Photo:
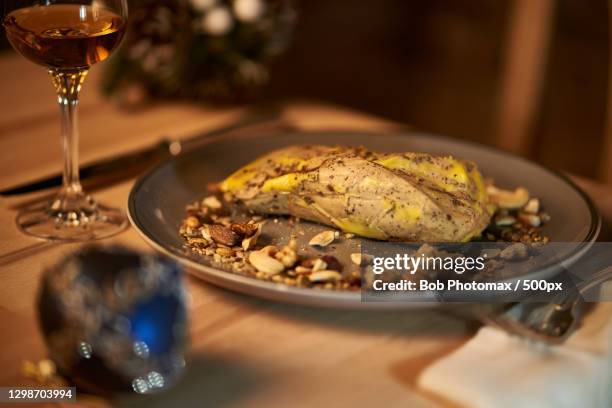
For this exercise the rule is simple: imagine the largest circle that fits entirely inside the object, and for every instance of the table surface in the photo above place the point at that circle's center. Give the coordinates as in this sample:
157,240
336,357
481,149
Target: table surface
245,351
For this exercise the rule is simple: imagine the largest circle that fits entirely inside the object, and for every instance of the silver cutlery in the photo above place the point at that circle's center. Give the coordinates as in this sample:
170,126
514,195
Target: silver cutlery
113,170
546,322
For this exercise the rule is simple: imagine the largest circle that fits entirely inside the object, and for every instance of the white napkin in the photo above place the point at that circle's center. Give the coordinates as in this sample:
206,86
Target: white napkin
495,369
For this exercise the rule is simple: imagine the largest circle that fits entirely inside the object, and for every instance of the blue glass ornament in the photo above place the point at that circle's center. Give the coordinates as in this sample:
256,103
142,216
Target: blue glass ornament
115,320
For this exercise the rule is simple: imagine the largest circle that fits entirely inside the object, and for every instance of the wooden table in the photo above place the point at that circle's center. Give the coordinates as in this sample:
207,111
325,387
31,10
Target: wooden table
245,351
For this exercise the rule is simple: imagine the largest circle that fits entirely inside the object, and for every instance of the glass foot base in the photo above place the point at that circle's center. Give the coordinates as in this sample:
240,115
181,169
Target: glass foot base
71,218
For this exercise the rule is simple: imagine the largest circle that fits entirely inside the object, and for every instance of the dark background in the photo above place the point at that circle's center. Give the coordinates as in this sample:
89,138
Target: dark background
437,66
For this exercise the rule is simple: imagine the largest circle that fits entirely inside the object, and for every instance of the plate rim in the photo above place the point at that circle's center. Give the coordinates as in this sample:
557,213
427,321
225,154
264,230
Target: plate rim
343,300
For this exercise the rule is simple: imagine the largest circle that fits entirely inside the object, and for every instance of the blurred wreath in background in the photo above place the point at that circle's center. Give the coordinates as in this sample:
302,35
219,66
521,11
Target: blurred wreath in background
213,50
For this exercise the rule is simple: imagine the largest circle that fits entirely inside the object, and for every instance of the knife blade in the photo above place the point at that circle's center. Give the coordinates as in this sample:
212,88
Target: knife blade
115,169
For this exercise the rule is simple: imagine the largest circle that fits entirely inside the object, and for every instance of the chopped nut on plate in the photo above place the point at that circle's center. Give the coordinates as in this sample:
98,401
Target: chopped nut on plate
212,202
323,239
251,241
270,250
223,235
225,252
287,256
192,222
235,241
319,265
324,276
245,229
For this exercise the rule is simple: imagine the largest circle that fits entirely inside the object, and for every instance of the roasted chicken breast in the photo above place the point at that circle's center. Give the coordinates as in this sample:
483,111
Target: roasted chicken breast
398,196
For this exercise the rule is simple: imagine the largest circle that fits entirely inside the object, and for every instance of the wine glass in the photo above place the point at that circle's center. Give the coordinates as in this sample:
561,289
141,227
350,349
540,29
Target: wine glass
67,37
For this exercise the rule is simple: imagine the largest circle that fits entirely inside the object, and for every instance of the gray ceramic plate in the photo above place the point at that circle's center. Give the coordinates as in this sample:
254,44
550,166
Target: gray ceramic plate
157,201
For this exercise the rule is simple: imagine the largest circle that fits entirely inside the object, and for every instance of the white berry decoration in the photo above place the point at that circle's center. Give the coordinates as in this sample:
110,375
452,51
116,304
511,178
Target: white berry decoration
248,11
217,21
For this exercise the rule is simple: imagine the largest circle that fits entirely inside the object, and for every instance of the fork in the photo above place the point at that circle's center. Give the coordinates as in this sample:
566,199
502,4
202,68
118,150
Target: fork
545,322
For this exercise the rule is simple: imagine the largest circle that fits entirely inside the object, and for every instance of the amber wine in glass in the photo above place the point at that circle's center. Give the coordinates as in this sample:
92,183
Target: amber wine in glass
67,37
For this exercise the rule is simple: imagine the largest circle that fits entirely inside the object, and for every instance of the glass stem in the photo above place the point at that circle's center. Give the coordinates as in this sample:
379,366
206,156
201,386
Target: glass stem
67,85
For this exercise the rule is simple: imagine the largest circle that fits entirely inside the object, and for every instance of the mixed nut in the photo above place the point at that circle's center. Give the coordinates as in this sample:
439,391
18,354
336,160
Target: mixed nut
518,217
210,230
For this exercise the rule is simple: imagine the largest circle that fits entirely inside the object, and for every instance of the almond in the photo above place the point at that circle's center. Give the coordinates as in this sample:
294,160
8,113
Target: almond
245,230
223,235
